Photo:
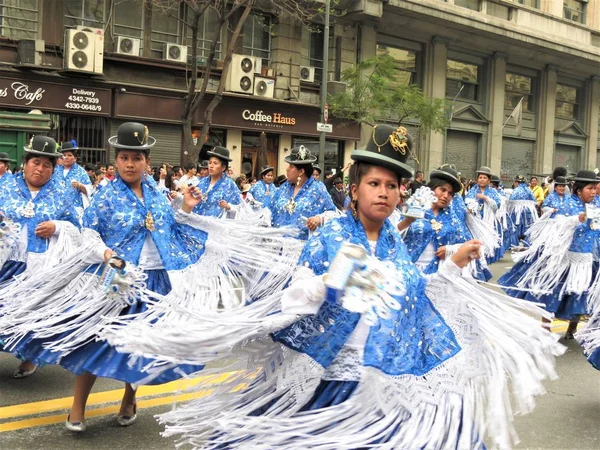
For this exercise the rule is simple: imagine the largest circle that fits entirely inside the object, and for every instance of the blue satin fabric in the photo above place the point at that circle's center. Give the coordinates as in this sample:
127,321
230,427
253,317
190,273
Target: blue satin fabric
223,189
75,173
594,358
421,233
101,359
567,306
413,341
263,192
50,203
521,224
312,199
488,192
119,216
11,269
555,201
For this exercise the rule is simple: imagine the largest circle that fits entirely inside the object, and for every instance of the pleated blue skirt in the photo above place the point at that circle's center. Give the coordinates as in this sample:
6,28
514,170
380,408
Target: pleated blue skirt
100,358
594,359
9,270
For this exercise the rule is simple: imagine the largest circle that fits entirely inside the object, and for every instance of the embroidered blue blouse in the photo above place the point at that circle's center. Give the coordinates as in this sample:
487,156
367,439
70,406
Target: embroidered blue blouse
522,192
421,232
223,189
75,173
413,341
263,192
50,203
6,178
312,199
489,192
119,216
584,239
555,201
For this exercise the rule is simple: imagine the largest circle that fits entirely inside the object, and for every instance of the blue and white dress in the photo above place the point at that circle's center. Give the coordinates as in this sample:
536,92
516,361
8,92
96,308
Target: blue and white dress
417,376
223,189
143,232
522,212
6,178
561,261
554,201
263,192
75,196
312,199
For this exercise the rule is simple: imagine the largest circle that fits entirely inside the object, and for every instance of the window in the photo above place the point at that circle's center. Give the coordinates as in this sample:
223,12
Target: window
165,30
209,27
128,19
315,49
88,13
89,132
19,18
462,80
257,39
574,10
406,63
531,3
567,101
334,151
469,4
517,87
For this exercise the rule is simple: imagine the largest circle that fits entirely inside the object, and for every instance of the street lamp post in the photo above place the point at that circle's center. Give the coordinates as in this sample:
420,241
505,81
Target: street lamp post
324,87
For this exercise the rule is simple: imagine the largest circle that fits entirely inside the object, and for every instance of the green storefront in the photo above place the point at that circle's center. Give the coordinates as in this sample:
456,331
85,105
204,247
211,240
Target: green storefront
16,129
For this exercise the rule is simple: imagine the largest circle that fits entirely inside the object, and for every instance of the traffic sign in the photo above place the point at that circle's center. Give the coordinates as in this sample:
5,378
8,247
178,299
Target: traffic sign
326,127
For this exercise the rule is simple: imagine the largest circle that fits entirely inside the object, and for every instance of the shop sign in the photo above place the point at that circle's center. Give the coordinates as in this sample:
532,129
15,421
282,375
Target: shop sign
271,120
55,97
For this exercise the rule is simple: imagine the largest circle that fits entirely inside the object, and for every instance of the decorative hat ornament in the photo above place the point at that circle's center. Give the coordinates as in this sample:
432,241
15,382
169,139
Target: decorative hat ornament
132,136
300,156
42,146
220,152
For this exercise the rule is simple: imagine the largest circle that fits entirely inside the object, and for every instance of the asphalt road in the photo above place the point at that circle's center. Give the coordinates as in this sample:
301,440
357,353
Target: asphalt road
33,410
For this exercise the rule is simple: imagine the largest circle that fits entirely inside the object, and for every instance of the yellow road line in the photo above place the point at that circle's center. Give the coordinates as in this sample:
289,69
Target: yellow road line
98,398
60,418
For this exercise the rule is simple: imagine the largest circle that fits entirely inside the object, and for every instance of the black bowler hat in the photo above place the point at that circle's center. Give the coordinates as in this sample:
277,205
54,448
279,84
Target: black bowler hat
337,180
389,147
586,176
265,170
68,147
485,170
203,164
42,146
495,179
448,174
4,157
318,169
560,181
520,179
132,136
300,156
220,152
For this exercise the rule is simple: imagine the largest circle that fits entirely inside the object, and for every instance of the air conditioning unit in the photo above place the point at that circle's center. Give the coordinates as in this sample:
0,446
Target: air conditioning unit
84,51
128,46
30,51
336,87
264,86
241,73
97,31
307,74
174,52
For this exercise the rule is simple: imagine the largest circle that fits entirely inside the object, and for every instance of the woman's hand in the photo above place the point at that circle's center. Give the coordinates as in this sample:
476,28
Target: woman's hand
224,204
45,230
482,197
313,223
582,217
441,252
108,253
467,252
405,223
191,197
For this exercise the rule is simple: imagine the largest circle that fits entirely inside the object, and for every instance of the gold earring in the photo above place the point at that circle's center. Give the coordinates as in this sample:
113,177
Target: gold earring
353,208
298,181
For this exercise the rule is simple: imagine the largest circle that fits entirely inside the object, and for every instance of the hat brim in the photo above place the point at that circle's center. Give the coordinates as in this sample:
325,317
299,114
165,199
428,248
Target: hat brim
585,180
401,169
38,153
485,173
72,150
303,162
267,170
112,141
218,155
440,174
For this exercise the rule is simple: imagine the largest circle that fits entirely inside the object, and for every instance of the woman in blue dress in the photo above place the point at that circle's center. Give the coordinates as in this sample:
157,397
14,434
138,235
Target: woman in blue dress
73,178
395,373
264,190
522,210
437,236
556,198
218,193
301,200
558,269
39,204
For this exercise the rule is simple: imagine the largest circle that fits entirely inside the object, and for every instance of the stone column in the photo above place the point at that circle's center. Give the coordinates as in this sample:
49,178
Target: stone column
591,123
544,151
496,102
434,151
